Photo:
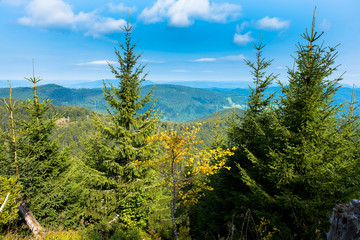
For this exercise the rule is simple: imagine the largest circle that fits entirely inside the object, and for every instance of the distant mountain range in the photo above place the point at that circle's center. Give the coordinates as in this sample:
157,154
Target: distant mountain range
177,103
99,84
67,83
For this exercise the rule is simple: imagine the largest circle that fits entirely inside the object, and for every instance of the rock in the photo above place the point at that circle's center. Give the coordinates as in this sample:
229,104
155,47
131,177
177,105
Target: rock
345,222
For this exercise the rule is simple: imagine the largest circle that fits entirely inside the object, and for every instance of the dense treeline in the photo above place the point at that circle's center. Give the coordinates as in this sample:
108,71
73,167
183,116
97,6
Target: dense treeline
276,172
74,123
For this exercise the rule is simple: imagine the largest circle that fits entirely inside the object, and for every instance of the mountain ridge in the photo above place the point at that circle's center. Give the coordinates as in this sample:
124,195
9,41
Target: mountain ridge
178,103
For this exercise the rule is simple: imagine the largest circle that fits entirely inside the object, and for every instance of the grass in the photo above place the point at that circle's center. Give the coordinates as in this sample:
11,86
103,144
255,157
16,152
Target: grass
52,235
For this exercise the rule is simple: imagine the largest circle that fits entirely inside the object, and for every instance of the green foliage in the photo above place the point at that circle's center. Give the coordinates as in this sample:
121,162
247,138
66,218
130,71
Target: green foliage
301,158
117,143
92,196
43,164
35,161
9,211
246,133
129,128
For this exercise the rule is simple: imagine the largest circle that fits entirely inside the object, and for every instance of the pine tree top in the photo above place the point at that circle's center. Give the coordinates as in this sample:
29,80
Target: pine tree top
125,100
308,97
132,115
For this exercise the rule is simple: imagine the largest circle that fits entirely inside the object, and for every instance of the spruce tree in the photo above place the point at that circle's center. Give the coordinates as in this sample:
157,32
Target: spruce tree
309,163
42,164
132,120
246,133
129,126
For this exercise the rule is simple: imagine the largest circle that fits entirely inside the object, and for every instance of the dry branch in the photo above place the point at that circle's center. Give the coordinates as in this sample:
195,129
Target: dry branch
3,205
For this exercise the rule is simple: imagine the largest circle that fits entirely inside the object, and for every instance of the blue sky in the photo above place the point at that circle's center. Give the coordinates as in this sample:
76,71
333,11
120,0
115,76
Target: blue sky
181,40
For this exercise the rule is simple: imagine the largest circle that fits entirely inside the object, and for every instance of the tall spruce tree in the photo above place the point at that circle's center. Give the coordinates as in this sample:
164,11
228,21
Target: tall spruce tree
129,126
42,164
132,120
246,133
309,164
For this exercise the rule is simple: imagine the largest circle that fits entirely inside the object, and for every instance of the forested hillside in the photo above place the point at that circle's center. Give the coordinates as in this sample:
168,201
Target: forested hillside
178,103
271,170
74,123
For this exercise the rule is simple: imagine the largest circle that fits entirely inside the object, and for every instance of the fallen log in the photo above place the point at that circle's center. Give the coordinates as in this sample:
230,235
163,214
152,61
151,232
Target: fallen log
345,222
34,225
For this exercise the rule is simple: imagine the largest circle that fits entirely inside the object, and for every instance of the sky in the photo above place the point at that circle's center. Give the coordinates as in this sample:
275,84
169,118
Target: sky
180,40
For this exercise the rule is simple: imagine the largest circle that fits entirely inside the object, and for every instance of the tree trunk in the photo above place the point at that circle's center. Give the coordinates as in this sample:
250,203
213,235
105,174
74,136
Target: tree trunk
172,208
345,222
34,226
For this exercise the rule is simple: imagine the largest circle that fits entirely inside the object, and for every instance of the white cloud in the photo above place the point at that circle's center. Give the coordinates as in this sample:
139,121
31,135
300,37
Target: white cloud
242,39
157,12
182,13
52,13
224,12
121,7
325,25
204,60
274,23
232,58
97,62
226,58
150,61
240,28
103,25
59,14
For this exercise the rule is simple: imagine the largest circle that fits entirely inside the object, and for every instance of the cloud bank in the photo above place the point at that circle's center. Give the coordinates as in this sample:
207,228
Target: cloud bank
183,13
231,58
266,23
243,39
59,14
121,7
97,62
274,23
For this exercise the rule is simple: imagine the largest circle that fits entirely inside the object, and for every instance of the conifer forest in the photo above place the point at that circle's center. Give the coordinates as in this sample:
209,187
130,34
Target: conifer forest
272,171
